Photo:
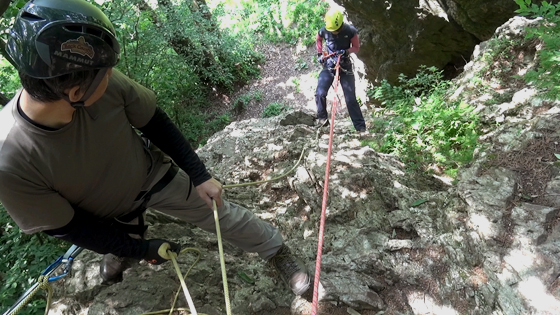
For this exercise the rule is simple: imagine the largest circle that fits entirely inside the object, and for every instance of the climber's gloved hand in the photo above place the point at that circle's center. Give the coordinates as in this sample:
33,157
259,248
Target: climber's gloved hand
320,58
342,52
156,252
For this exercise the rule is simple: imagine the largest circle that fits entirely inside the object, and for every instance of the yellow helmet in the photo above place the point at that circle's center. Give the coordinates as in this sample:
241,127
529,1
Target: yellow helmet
333,20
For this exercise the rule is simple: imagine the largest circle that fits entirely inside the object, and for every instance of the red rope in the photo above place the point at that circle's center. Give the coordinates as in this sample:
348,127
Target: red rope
325,198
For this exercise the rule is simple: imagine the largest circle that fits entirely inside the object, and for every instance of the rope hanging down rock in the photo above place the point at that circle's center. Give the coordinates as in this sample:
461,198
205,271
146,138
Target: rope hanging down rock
325,198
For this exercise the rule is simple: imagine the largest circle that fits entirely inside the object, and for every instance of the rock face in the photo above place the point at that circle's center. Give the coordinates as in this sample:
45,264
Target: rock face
479,17
399,36
395,242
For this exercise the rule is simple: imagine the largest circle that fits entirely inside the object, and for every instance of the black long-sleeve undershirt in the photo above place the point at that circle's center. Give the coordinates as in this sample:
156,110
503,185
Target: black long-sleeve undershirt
166,136
89,232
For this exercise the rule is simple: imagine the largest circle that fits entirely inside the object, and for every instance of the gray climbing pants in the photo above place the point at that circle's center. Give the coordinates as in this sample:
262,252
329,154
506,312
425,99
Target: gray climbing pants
238,225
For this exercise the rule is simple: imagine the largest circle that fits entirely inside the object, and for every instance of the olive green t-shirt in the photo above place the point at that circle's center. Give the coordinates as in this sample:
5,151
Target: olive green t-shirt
96,163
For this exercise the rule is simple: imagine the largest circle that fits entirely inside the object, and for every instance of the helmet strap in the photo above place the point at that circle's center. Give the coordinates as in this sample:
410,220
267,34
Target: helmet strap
92,87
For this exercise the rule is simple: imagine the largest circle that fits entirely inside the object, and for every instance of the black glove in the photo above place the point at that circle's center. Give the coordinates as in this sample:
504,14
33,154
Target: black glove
156,253
320,58
342,52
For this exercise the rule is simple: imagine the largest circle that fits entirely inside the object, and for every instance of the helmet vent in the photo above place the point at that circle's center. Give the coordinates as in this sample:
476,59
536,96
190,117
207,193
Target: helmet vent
108,40
83,29
31,17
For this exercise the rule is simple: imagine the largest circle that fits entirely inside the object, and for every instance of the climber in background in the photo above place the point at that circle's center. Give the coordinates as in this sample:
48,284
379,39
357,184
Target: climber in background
341,39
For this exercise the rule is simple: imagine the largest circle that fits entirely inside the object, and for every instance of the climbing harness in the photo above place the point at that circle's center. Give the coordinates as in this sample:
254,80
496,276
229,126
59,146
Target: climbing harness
336,68
145,196
47,276
325,198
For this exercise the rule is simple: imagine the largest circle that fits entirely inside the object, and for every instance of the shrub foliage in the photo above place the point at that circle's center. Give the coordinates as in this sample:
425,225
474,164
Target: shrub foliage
421,125
547,75
23,258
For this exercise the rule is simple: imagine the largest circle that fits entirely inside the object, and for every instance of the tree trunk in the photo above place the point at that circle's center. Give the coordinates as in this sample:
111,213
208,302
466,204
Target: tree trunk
183,45
202,7
3,99
4,4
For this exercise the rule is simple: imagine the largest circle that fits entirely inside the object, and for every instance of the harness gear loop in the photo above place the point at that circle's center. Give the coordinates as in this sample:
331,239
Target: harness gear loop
340,68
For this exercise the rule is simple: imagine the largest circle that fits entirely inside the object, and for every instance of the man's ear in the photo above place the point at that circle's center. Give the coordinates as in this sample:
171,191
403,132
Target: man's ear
74,94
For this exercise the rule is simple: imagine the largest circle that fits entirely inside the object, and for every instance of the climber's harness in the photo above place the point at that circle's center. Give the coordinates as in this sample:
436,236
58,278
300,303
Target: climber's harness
347,61
350,72
145,196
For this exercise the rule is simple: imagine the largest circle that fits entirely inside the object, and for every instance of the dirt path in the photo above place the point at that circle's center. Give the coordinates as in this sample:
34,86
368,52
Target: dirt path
289,77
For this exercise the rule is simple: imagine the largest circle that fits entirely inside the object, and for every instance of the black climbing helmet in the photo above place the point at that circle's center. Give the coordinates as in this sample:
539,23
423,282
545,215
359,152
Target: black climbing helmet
51,38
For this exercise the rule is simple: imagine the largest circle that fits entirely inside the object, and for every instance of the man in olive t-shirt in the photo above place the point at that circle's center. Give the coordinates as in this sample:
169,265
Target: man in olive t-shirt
72,165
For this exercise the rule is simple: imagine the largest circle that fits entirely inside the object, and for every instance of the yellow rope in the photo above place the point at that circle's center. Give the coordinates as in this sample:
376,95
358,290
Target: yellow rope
186,275
222,260
173,257
170,311
220,249
272,179
42,283
183,284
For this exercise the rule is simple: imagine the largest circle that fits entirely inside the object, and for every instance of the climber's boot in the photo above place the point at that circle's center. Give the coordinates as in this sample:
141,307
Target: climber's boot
112,267
292,270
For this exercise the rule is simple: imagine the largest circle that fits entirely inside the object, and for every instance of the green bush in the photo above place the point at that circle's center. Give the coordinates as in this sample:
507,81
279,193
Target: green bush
9,79
24,257
547,75
301,65
241,102
421,125
182,57
274,109
221,122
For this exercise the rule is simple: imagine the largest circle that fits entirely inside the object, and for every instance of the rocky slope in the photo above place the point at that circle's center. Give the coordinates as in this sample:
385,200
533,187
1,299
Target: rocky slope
396,242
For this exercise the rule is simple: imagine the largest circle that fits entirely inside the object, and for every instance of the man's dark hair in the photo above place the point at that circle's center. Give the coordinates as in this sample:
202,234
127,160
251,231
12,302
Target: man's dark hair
53,90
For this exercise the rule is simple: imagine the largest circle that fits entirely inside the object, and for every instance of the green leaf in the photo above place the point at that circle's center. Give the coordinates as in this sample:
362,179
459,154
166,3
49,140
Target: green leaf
245,277
557,155
418,202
